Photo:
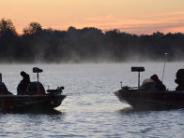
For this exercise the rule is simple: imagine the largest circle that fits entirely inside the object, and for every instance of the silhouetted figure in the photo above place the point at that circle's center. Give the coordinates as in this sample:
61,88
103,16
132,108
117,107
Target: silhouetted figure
148,84
158,83
3,88
180,80
23,85
153,84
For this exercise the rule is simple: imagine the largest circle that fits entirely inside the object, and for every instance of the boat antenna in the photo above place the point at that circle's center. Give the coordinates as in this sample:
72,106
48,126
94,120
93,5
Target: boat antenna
165,60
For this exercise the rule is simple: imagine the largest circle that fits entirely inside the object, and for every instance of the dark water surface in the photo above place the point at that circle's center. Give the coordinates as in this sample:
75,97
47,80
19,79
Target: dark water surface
91,109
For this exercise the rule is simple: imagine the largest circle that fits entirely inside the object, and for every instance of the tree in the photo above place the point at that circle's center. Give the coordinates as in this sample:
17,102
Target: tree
7,28
33,28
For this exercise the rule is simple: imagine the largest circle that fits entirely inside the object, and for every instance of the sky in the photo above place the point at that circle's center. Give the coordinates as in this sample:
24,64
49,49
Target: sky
132,16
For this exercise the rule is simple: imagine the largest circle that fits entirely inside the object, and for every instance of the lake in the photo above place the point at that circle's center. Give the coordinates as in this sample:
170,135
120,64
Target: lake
91,108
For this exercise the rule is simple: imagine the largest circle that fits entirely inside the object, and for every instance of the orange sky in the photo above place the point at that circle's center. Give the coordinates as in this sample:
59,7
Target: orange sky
133,16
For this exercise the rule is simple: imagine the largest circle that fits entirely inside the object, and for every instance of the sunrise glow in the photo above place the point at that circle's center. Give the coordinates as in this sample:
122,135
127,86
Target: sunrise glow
140,17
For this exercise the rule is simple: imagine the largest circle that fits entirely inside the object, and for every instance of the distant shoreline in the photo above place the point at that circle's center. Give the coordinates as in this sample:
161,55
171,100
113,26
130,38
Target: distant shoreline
92,62
85,45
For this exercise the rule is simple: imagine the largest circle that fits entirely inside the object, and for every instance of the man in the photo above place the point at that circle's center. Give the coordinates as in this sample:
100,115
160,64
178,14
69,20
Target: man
3,88
158,83
22,86
152,84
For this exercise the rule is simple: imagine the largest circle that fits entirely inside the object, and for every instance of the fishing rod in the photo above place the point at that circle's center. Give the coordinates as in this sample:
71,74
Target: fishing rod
165,60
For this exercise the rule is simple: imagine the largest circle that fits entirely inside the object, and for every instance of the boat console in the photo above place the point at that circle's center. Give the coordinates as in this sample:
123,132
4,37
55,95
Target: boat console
139,70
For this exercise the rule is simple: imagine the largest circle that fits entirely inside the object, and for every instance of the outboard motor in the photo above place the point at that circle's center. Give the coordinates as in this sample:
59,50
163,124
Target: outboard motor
36,88
180,80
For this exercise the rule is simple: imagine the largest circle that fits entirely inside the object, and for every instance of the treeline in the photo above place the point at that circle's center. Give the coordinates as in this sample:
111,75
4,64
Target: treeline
82,45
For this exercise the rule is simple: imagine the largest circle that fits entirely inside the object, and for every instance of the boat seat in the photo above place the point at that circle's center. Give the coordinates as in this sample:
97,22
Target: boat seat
36,88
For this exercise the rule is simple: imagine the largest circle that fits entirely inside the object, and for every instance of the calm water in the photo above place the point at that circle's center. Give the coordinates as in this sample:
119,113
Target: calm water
91,109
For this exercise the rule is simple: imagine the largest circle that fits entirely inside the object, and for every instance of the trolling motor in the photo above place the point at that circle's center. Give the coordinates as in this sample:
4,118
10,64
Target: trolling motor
56,91
37,71
139,70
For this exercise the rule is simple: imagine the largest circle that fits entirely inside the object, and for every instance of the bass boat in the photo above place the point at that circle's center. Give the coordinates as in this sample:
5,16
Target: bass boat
37,98
150,99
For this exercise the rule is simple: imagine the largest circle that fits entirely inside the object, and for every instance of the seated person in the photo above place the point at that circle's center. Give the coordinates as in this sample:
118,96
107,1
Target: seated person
22,86
158,83
180,80
148,84
180,86
152,84
4,90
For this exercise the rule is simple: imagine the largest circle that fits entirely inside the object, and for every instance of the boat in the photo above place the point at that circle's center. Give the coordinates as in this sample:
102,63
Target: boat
152,100
33,101
29,103
140,99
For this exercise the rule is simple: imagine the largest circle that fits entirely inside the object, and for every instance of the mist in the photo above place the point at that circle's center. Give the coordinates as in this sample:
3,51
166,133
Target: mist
85,45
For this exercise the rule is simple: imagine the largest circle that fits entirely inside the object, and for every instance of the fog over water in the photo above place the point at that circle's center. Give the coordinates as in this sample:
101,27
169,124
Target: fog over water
91,109
84,45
